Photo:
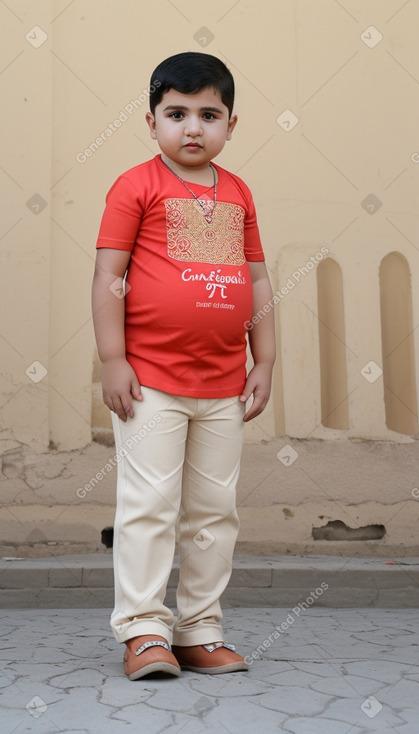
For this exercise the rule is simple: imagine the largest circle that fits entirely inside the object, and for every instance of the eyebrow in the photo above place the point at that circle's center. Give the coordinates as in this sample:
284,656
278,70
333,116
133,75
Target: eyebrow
183,108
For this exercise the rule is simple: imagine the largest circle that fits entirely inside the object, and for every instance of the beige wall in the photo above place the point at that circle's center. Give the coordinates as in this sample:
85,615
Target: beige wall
355,100
356,135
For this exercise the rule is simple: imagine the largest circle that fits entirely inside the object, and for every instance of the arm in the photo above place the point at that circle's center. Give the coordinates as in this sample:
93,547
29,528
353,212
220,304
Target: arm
262,344
119,381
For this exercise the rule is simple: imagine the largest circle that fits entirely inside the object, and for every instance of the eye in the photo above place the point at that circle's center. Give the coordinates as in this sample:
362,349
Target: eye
176,115
208,116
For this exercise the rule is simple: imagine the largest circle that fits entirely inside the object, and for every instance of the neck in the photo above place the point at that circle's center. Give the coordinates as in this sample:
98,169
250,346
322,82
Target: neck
194,174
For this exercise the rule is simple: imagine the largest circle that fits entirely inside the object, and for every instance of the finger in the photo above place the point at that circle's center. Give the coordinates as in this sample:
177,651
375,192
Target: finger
126,403
136,391
249,415
256,408
252,413
119,409
108,402
247,392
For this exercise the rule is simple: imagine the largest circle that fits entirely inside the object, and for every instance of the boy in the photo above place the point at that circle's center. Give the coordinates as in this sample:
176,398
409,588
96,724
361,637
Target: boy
173,354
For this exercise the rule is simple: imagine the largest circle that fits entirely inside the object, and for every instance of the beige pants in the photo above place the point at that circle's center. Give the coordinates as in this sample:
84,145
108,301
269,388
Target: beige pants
177,456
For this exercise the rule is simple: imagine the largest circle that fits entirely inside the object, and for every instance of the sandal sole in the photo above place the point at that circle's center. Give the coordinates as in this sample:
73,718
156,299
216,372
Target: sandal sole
230,668
155,668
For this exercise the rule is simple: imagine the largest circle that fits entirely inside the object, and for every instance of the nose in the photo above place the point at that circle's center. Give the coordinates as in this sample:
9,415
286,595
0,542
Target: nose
193,127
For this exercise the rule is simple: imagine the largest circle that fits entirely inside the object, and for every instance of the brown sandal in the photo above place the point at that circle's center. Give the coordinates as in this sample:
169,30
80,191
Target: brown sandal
211,659
146,659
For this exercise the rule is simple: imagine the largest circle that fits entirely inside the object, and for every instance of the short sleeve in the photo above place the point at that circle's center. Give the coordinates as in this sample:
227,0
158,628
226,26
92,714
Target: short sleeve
121,218
253,249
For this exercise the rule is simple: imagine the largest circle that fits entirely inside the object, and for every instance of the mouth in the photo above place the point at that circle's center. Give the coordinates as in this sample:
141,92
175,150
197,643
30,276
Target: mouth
193,145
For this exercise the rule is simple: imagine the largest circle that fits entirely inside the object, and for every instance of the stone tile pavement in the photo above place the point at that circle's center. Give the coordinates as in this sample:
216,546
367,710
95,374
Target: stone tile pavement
312,671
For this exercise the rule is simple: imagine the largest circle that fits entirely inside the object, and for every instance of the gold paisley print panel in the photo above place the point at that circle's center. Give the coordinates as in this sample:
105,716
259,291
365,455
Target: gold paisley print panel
190,238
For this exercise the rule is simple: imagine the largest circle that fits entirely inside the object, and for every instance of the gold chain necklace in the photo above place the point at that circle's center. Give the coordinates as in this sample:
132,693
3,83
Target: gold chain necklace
208,207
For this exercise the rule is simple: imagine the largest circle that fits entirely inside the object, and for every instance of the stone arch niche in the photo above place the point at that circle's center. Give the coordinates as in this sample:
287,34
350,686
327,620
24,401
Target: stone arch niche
398,344
333,374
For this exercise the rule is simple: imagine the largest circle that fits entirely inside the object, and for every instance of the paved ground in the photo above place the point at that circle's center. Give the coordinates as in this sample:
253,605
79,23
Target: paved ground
324,671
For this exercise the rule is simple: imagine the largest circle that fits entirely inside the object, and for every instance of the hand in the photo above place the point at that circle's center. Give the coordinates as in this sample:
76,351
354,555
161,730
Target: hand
120,385
258,384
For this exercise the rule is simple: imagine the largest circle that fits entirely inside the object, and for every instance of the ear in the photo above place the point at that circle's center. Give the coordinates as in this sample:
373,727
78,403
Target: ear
231,125
151,122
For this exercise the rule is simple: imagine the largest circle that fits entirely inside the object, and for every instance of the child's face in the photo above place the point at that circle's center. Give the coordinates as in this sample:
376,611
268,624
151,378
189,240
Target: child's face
191,129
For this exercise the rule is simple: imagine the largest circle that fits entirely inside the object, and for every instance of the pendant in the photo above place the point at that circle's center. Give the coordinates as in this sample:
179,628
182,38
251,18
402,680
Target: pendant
207,207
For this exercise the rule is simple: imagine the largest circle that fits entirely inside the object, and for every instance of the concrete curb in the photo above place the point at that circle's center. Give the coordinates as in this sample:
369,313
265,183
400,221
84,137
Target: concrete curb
86,581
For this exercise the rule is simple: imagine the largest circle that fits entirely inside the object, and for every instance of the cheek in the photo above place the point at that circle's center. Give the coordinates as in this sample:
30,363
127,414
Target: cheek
169,131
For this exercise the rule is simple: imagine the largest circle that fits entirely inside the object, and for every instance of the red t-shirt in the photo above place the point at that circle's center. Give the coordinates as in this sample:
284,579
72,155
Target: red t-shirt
189,287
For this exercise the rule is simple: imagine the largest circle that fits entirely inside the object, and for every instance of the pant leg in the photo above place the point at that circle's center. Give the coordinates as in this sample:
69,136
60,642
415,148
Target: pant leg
148,501
209,522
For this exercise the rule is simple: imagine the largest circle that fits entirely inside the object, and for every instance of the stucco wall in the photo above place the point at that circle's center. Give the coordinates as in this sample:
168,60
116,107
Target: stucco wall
328,102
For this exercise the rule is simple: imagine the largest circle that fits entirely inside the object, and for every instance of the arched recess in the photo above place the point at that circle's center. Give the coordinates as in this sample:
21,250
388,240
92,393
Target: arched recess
398,345
333,374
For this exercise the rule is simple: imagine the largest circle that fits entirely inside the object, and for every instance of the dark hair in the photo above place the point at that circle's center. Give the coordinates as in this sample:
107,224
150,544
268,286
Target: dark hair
188,73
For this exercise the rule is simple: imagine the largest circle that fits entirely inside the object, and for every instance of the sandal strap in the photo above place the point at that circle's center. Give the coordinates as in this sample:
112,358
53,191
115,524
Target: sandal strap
152,643
216,645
